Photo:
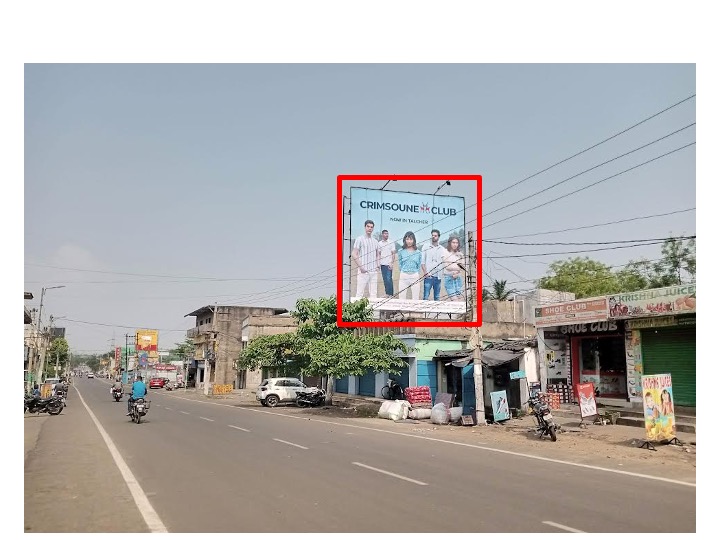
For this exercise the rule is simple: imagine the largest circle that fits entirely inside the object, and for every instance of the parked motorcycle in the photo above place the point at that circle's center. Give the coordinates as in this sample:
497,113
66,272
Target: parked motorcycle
52,405
117,393
392,390
139,409
545,425
312,397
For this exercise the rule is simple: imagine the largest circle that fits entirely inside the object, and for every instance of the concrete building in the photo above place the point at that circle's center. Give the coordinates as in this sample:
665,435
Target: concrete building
254,326
217,337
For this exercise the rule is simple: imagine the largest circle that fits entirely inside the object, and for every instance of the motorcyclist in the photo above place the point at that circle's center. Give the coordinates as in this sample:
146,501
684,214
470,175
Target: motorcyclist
117,385
139,390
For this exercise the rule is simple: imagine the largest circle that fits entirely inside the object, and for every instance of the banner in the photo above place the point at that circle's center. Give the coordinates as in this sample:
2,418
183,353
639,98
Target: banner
658,405
147,341
396,232
577,311
500,408
663,301
586,394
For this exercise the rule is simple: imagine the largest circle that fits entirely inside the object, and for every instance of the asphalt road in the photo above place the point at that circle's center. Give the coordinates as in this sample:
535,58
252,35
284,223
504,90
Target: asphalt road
206,467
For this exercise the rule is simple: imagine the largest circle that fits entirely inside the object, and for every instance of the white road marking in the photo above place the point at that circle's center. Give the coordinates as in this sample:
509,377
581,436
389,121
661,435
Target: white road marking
418,482
563,527
208,419
240,428
183,412
291,444
168,409
148,513
476,446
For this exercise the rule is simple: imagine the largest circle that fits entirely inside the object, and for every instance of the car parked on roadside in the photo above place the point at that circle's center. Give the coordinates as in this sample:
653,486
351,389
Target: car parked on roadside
277,390
157,382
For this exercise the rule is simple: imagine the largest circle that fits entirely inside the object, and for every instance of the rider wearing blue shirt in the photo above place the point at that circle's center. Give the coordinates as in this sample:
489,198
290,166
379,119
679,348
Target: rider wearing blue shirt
139,390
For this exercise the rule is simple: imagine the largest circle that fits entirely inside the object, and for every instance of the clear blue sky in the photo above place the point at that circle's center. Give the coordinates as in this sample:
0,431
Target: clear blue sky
209,181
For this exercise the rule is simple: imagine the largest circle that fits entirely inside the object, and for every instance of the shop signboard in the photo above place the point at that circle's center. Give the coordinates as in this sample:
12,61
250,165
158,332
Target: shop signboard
574,312
664,301
658,407
517,375
500,408
586,393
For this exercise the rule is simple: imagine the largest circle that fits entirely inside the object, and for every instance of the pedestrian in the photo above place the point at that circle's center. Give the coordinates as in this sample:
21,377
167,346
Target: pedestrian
387,261
36,390
410,261
432,265
454,263
366,254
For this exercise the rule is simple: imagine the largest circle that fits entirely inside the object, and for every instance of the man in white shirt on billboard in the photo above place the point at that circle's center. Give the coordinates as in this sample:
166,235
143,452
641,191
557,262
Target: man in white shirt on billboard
387,262
366,254
432,265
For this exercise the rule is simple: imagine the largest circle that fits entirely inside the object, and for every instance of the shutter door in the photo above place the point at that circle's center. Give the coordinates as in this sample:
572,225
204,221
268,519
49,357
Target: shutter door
672,350
367,384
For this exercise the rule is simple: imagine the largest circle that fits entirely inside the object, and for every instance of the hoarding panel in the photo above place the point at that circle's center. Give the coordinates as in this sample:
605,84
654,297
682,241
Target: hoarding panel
576,311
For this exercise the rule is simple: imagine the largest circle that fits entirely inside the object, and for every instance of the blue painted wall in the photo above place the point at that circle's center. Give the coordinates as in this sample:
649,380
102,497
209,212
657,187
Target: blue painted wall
427,375
341,385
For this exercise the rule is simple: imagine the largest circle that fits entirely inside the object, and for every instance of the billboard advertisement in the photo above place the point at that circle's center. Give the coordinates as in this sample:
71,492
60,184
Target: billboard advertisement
658,406
146,341
586,393
672,300
576,311
408,251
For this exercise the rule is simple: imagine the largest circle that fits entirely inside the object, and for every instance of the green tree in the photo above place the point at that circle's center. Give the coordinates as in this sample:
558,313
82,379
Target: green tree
321,347
582,276
500,291
183,350
57,354
486,295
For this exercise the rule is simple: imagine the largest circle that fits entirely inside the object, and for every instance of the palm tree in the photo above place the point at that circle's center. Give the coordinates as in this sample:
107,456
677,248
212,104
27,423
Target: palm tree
486,295
499,290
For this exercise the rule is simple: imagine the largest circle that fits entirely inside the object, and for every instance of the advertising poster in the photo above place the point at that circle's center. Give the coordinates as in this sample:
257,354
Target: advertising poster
664,301
409,233
147,341
633,364
658,406
501,410
577,311
586,393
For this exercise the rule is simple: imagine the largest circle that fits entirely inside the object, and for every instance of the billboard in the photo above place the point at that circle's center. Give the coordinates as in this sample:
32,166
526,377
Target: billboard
576,311
146,341
408,252
672,300
658,406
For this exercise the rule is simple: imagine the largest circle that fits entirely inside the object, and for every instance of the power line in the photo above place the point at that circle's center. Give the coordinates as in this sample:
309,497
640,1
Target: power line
590,185
589,243
588,170
588,148
591,226
572,252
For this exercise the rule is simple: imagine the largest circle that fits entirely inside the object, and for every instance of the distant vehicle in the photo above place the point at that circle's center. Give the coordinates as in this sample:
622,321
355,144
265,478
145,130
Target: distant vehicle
157,382
90,375
279,390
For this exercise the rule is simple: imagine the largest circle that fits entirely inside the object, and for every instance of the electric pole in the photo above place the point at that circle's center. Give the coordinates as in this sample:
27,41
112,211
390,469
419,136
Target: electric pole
475,334
212,351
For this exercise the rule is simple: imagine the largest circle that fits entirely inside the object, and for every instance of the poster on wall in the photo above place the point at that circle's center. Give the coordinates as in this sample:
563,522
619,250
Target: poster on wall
658,407
586,393
500,408
633,365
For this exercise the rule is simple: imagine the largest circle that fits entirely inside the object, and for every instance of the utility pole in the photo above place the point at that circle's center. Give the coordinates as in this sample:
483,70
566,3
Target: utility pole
125,372
212,351
475,334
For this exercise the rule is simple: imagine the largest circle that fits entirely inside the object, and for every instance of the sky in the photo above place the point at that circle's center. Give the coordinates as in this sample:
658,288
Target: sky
154,189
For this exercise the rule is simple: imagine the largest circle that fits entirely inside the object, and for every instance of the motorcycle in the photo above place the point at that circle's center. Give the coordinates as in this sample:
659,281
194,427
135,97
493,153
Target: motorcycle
117,393
312,397
139,409
52,405
392,390
545,425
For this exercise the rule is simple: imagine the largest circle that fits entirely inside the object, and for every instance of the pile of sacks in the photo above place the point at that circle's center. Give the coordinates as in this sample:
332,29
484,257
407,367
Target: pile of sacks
441,414
419,397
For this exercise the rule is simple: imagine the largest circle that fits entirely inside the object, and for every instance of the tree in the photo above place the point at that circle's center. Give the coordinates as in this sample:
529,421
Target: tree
486,295
500,290
321,347
184,350
58,353
582,276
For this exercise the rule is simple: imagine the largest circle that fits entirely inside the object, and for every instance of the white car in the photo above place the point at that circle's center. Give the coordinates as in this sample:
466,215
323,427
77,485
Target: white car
91,375
278,390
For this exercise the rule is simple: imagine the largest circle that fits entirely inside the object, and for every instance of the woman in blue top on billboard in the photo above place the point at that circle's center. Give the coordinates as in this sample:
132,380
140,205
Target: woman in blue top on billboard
409,259
454,264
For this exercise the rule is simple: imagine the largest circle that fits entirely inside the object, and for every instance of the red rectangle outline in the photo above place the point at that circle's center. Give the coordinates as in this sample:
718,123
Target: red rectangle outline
458,324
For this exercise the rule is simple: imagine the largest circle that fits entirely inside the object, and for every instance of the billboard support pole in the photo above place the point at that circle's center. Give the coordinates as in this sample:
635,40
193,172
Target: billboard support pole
476,335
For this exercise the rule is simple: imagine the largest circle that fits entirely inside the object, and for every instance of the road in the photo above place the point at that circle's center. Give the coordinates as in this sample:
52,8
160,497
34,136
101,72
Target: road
204,467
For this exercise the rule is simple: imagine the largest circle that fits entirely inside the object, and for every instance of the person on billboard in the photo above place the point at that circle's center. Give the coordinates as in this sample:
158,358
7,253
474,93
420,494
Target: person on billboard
666,406
651,410
387,261
366,254
432,265
410,260
454,264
